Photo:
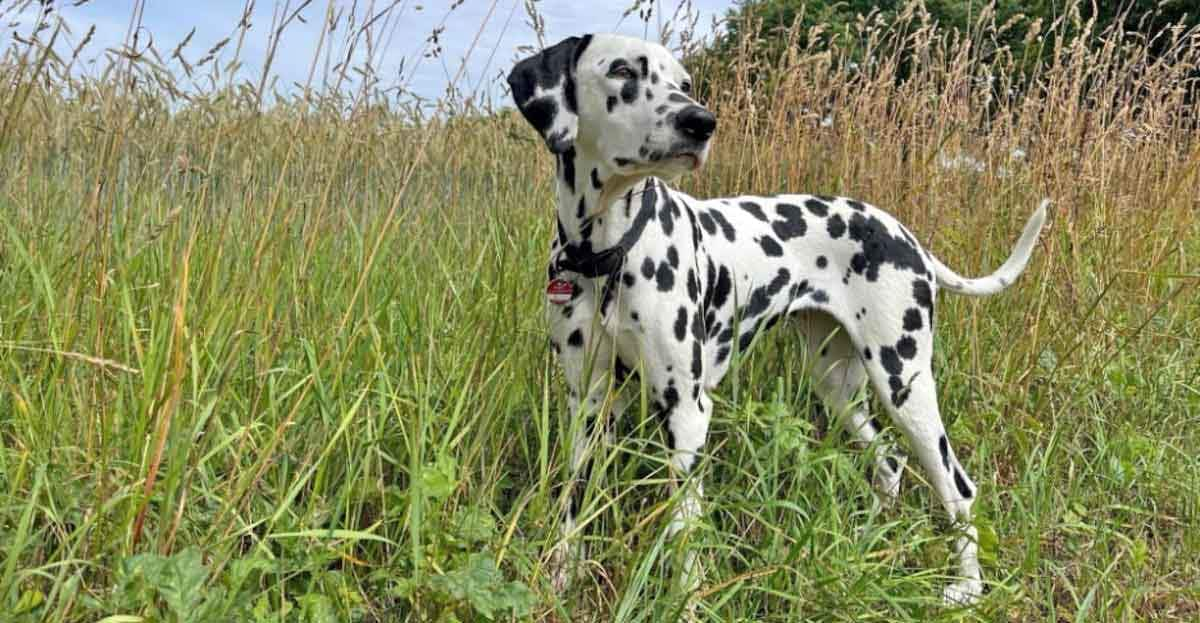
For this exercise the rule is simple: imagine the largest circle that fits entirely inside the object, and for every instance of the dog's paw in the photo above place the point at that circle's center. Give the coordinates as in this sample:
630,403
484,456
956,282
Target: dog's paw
963,593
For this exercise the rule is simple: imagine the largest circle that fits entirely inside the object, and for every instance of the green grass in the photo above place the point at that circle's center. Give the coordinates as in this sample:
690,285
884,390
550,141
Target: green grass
292,367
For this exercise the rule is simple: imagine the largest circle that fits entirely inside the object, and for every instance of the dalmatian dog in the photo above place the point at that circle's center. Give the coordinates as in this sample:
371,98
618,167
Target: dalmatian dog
647,280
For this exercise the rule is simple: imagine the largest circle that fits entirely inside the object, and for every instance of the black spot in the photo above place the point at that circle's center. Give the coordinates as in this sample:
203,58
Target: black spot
836,227
673,256
818,208
609,296
621,371
723,288
907,347
567,161
681,323
754,209
822,262
611,103
890,360
665,214
693,285
634,316
747,338
596,180
722,354
678,98
697,360
567,310
867,353
648,268
820,296
770,247
665,277
645,65
708,223
900,391
628,279
671,396
922,294
912,319
575,339
893,464
582,211
697,326
857,205
880,247
760,298
792,225
726,227
944,448
654,78
649,95
960,482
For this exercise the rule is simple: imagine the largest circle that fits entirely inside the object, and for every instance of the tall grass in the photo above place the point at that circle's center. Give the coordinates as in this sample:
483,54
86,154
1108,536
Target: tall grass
282,359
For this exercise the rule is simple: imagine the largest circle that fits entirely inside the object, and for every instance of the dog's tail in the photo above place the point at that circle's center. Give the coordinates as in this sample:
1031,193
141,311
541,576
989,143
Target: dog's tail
1007,273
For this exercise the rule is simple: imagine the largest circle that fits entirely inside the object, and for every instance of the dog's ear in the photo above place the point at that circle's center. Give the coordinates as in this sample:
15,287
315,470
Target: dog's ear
543,87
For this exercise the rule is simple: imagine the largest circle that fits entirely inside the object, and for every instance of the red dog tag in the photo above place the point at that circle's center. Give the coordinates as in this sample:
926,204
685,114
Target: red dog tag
558,291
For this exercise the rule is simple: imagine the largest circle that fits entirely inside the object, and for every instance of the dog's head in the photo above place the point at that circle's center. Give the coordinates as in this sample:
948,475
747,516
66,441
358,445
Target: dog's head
622,100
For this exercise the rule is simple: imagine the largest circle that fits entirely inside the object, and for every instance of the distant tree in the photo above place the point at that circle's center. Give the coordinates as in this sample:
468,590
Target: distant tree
836,19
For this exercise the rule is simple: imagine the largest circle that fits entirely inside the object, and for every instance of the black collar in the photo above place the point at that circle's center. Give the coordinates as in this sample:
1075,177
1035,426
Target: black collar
578,257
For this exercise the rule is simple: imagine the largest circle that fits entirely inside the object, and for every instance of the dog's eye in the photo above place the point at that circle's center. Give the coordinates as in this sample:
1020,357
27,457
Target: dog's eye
624,72
686,87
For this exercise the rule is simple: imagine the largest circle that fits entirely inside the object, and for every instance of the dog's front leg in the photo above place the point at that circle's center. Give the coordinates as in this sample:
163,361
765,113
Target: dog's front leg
586,355
677,390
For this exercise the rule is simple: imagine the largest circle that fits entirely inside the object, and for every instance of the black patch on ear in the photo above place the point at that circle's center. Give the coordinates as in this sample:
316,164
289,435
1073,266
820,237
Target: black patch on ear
547,69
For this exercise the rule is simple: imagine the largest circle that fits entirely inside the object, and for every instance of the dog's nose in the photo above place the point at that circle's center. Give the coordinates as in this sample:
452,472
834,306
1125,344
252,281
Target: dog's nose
696,122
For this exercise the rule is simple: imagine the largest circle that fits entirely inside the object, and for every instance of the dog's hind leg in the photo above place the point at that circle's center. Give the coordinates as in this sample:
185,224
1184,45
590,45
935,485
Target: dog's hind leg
911,398
838,377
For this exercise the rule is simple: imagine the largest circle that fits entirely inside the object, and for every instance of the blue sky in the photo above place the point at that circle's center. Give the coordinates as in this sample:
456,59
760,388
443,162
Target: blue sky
501,26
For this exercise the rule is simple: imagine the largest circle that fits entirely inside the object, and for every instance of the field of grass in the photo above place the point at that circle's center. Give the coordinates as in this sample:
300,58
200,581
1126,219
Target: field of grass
288,363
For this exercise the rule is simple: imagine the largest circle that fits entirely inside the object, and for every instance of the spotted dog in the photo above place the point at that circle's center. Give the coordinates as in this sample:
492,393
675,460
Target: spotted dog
653,280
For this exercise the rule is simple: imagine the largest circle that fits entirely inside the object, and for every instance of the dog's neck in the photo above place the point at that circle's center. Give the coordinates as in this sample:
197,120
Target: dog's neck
588,189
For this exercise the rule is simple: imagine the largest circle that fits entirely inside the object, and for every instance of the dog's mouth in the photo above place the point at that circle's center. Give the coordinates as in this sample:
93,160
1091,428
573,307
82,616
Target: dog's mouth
689,159
693,160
